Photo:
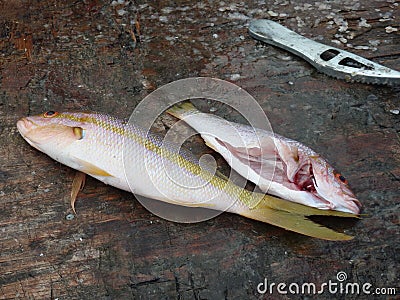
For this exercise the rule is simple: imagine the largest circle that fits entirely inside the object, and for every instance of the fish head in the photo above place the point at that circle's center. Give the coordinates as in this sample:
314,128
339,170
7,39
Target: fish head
313,179
51,132
325,183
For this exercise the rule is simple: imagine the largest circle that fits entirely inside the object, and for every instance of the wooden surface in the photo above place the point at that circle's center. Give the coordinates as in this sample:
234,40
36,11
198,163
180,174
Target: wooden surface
91,55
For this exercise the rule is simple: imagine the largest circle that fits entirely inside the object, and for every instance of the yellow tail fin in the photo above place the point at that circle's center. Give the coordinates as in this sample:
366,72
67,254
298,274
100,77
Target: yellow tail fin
294,222
300,209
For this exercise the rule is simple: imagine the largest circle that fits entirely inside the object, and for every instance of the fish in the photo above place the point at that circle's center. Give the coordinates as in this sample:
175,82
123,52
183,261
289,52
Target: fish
126,156
277,165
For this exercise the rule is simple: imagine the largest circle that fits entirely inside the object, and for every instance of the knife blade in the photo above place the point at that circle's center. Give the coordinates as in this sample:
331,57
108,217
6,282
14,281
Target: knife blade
332,61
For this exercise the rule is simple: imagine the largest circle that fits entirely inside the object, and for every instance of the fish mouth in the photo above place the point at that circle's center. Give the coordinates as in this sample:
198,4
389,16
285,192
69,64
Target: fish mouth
350,203
351,206
346,203
308,192
25,125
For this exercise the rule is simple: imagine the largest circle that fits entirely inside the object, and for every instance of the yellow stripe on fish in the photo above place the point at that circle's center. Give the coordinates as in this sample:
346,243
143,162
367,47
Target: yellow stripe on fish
248,198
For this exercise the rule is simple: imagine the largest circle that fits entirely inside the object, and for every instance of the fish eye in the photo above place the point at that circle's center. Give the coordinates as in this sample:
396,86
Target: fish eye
341,178
50,114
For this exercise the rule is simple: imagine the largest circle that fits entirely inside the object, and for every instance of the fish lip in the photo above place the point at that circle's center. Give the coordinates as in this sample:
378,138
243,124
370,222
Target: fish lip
25,125
350,206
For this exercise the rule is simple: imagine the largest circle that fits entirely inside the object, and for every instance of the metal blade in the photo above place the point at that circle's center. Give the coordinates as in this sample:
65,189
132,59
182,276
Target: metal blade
332,61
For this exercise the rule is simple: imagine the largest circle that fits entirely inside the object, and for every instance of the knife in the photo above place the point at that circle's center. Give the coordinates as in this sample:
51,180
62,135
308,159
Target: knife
332,61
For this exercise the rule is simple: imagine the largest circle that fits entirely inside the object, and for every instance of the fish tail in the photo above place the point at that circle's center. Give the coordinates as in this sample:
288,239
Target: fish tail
182,109
294,222
297,208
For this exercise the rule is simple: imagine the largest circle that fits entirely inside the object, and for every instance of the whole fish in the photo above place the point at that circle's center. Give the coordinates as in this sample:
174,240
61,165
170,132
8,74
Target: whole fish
105,147
277,165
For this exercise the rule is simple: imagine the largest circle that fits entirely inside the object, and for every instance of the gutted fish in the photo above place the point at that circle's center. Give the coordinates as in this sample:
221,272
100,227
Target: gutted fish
127,157
277,165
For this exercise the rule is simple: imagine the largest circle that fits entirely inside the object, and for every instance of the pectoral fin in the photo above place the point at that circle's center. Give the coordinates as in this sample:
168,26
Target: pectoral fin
77,185
79,132
91,169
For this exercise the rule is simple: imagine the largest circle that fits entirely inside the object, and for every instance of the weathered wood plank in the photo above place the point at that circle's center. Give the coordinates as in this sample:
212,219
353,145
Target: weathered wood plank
89,55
